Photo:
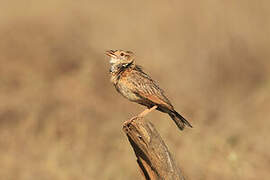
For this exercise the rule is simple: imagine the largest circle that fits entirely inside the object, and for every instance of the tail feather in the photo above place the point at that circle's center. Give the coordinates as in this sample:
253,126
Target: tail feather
179,120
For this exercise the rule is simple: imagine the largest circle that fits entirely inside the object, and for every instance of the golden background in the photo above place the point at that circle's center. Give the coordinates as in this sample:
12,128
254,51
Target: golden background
60,118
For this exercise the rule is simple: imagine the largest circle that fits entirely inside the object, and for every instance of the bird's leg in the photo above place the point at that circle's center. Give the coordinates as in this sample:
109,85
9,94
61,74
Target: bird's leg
145,112
141,115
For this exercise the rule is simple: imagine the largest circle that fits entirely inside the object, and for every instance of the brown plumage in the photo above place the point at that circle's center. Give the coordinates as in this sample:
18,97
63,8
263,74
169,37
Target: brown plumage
134,84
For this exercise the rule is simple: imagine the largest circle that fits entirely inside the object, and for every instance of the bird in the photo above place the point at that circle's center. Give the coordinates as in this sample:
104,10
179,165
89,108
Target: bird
134,84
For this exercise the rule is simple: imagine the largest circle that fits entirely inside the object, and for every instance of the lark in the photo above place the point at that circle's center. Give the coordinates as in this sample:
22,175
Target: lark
134,84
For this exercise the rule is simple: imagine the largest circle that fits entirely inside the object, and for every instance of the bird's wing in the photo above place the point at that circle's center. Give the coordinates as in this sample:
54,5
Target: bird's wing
147,88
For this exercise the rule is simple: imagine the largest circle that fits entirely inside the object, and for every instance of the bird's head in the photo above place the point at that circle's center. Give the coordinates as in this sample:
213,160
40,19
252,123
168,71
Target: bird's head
120,59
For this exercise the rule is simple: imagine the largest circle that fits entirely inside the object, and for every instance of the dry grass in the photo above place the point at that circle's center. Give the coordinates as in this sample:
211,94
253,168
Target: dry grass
60,117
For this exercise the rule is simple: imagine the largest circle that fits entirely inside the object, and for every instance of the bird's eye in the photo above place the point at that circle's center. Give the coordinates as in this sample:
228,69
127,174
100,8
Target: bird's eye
122,54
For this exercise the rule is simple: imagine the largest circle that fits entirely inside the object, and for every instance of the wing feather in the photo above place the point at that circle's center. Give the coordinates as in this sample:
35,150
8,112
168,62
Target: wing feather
147,88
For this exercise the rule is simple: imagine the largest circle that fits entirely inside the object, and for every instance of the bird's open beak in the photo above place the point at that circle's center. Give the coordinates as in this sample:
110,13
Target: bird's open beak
110,53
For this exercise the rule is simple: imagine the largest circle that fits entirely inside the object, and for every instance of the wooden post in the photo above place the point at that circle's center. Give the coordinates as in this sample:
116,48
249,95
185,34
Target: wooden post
153,157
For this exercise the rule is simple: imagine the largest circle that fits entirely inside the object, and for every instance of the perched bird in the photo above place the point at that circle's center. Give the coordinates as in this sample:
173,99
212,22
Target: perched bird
134,84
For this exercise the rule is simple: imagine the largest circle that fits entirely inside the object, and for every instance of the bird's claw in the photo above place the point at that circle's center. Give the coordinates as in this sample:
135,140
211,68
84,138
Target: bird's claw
126,123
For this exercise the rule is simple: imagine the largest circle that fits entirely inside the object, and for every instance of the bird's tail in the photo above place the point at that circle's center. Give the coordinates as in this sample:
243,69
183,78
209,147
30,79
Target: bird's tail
179,120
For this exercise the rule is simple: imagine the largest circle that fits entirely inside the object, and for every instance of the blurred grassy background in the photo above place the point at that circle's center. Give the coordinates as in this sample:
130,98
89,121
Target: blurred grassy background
60,118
